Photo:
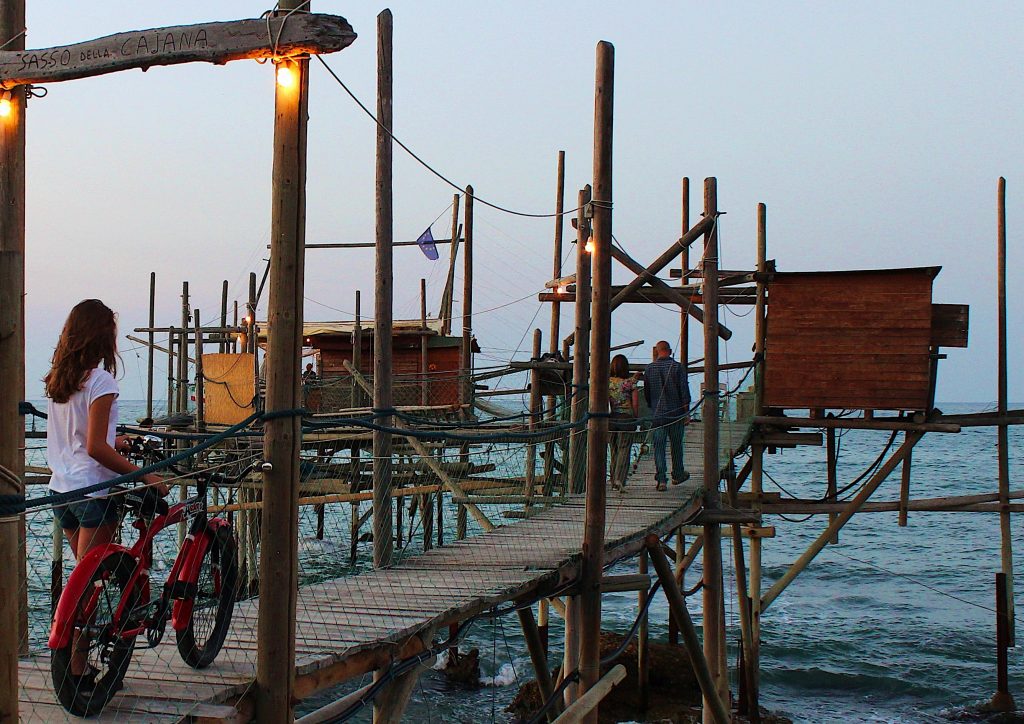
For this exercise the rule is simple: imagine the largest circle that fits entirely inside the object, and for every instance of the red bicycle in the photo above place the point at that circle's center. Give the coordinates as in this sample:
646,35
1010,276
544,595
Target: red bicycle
106,603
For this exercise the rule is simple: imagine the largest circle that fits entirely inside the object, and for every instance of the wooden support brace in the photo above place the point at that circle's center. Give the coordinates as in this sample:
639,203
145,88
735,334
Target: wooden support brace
535,645
852,507
689,631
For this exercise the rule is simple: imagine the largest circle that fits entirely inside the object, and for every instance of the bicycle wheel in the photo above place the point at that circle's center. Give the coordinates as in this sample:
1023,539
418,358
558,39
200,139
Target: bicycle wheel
203,636
107,651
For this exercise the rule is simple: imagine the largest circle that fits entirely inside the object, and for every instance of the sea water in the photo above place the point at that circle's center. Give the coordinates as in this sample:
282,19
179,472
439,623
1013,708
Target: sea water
891,625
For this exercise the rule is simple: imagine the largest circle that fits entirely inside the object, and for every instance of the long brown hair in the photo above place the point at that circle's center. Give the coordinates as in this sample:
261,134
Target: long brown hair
89,338
620,366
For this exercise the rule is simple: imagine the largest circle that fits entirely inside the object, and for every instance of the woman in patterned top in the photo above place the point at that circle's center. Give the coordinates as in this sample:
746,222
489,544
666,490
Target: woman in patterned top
624,401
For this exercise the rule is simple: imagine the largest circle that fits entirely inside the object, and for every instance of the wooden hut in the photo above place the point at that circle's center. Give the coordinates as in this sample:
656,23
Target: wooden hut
431,379
858,340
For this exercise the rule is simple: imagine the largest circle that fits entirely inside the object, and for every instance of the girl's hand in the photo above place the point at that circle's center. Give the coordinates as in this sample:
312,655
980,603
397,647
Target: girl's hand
154,481
122,444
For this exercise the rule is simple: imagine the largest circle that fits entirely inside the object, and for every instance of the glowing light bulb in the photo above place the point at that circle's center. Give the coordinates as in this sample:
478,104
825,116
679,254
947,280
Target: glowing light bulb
589,248
285,75
5,105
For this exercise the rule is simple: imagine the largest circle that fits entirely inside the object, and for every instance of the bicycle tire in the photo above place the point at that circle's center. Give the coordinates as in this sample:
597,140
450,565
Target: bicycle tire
113,652
203,636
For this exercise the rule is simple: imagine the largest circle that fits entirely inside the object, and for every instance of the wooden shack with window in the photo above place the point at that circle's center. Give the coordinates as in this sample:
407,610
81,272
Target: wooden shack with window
857,340
434,379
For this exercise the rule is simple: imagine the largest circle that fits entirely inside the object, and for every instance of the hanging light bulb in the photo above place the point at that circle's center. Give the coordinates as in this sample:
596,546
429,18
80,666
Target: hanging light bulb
589,248
285,74
5,104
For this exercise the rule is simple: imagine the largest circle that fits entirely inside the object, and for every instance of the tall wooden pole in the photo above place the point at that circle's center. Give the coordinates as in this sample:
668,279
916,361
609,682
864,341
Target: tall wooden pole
150,352
445,313
556,268
200,391
186,318
1006,547
581,347
556,323
535,411
282,440
224,316
466,366
382,312
12,362
600,336
753,658
684,259
714,620
170,370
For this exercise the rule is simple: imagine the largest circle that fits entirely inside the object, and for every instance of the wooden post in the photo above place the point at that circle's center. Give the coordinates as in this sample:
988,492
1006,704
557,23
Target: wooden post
424,354
357,352
1006,538
440,516
382,312
12,362
200,387
445,312
571,647
684,262
282,440
643,674
753,658
150,351
556,316
680,573
597,427
183,351
1002,700
714,706
535,646
535,412
170,371
904,489
234,343
224,315
581,350
832,473
713,599
466,366
427,516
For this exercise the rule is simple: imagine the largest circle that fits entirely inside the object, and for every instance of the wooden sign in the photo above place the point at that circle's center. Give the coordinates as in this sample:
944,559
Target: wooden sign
276,36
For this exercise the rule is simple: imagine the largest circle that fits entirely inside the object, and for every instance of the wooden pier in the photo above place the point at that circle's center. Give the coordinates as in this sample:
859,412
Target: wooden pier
349,626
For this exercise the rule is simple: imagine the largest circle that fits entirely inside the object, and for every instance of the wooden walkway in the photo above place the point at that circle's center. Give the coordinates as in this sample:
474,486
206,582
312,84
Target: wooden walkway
348,626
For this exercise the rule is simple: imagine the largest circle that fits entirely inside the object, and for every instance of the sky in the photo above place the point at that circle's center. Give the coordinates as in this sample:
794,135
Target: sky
874,132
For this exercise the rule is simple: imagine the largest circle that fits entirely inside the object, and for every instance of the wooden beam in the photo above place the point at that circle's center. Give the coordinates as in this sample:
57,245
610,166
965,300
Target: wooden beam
535,646
369,244
674,294
391,700
1002,433
584,707
281,35
714,707
856,423
696,232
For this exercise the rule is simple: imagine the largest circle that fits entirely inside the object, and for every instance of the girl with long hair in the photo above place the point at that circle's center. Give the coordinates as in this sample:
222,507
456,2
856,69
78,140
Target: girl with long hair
624,401
81,442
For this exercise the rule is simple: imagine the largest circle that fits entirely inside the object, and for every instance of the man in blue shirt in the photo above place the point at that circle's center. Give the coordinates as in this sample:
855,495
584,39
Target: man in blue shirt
668,395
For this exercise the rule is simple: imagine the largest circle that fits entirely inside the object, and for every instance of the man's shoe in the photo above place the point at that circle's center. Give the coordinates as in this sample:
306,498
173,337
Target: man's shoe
686,476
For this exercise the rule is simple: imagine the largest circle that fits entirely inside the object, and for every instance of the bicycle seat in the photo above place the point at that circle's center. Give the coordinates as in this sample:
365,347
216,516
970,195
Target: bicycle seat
146,502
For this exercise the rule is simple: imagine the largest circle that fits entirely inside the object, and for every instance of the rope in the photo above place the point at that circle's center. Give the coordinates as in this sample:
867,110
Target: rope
430,168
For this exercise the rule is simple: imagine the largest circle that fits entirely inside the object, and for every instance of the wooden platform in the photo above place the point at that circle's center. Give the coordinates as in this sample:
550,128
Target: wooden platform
351,625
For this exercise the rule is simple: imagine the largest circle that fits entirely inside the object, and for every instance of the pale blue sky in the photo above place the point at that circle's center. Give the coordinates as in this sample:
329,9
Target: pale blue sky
874,132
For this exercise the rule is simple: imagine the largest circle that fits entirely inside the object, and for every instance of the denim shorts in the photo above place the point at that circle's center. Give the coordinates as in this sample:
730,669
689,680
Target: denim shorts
88,513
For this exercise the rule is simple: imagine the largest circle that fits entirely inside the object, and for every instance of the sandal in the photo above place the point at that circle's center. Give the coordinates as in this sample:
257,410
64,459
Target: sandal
686,476
661,487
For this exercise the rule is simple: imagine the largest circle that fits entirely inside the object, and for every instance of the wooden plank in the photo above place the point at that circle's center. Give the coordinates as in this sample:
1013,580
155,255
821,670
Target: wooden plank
950,323
274,37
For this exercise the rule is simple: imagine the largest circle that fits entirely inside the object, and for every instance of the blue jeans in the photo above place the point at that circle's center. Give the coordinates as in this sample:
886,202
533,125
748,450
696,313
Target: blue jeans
671,432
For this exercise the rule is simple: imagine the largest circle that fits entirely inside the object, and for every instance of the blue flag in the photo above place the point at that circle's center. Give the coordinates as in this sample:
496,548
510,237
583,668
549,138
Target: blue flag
426,242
